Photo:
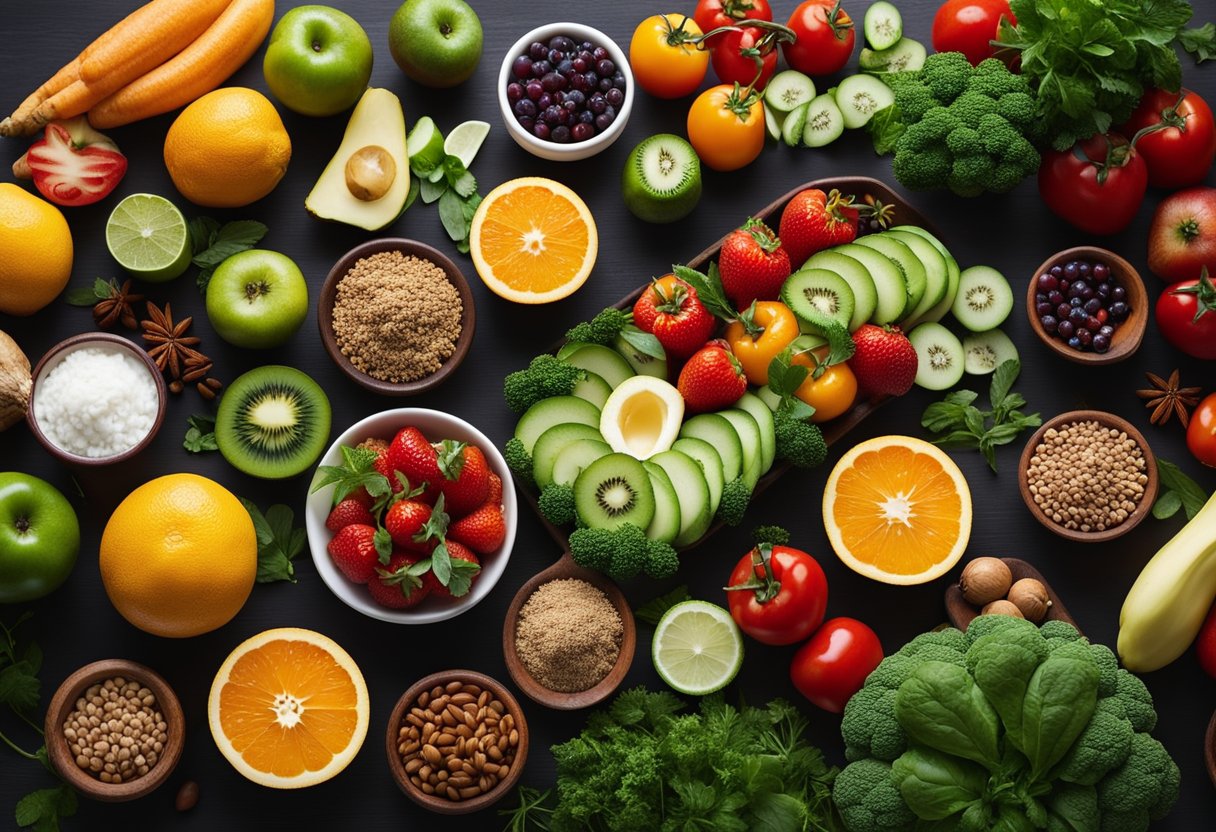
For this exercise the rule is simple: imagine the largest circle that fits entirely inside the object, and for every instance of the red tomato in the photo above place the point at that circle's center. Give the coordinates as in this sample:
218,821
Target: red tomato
778,594
1201,433
825,38
1186,316
712,14
1205,645
732,66
1182,153
834,664
969,26
1097,185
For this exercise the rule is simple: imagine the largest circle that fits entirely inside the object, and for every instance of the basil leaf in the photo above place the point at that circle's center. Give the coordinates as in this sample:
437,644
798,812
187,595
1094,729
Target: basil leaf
941,707
643,342
935,785
1002,380
247,233
430,191
1060,700
1167,505
451,214
1190,495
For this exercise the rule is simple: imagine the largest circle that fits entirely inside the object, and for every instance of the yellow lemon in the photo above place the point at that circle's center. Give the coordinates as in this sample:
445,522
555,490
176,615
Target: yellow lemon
35,251
179,556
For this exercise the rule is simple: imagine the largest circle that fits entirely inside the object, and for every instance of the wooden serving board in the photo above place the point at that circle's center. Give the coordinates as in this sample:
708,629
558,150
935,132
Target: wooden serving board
961,612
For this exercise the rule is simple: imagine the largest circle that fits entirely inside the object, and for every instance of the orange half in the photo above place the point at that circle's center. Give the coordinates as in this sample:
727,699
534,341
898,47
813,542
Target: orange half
898,510
288,708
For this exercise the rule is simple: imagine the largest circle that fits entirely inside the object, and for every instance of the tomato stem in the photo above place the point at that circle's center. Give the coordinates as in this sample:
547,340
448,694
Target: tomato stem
839,30
763,582
1204,292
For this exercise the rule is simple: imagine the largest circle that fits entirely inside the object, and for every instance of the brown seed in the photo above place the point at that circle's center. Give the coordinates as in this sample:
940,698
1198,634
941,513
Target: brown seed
453,687
187,796
453,793
463,698
431,753
425,772
427,788
455,764
413,765
445,738
470,791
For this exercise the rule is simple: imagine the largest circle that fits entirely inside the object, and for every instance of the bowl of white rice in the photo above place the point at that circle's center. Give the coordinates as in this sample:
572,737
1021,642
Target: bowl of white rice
97,399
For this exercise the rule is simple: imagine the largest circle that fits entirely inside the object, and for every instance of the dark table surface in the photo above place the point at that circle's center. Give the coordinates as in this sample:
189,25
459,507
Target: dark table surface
1015,233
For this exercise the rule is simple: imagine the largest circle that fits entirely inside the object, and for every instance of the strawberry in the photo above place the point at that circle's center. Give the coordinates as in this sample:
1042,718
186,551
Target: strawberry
394,587
712,379
884,361
353,550
412,455
407,519
347,513
813,221
753,264
670,310
483,530
464,566
466,476
495,495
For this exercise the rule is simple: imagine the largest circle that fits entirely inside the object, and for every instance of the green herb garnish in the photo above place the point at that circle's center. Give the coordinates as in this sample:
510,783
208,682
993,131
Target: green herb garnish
212,243
1178,491
278,541
455,189
200,435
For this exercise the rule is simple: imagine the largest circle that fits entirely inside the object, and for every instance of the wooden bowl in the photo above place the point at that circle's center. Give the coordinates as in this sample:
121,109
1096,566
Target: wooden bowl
64,701
1128,334
441,805
329,292
534,690
1209,749
1106,420
960,611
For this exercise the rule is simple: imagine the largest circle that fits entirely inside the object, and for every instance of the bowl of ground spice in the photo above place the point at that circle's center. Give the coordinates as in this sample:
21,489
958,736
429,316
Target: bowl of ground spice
114,730
1088,476
396,316
569,637
457,741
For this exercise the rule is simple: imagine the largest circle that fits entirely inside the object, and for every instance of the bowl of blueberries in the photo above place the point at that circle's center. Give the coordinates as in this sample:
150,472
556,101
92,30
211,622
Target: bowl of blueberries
1088,305
565,91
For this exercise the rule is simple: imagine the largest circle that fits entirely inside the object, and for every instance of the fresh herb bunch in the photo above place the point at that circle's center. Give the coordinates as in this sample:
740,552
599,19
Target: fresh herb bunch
454,188
1090,62
641,764
963,425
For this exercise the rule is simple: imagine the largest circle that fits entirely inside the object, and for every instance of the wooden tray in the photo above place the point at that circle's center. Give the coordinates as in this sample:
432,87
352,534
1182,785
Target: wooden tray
961,612
834,430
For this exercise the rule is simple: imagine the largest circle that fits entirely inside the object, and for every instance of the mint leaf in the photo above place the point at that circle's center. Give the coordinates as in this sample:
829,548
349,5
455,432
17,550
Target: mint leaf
460,581
643,342
278,542
430,191
653,610
44,808
1002,380
247,233
709,290
202,232
200,435
1189,494
356,471
1200,42
784,377
81,296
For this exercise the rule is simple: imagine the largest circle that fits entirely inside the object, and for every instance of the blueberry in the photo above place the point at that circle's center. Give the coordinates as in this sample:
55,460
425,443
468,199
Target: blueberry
565,67
1101,271
1101,343
526,122
1066,329
1063,309
1077,316
1074,342
1076,289
1057,271
585,117
555,56
540,130
552,116
599,53
1087,292
1103,290
1118,293
1107,330
1071,270
586,46
1119,311
1055,297
605,68
575,97
1075,302
1043,308
1092,306
605,84
603,121
560,134
544,101
561,42
615,97
1049,323
618,81
522,67
597,103
541,68
525,107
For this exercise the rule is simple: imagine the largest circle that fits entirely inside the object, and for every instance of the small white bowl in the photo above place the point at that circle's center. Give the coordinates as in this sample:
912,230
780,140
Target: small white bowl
436,425
574,150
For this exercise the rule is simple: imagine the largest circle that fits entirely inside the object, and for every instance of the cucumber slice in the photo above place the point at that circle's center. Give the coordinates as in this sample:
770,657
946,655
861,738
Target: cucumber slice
665,524
953,272
773,122
937,273
824,121
555,410
883,25
575,457
710,461
606,363
550,444
914,272
939,356
749,438
817,296
865,297
642,364
983,352
763,415
889,283
717,431
791,129
691,490
592,388
984,299
859,97
787,89
906,55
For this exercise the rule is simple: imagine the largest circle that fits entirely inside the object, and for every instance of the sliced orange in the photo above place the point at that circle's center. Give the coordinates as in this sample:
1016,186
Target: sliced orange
898,510
288,708
533,240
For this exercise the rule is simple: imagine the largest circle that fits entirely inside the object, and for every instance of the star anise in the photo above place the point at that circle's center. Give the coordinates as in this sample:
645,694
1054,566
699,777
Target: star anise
1165,399
117,307
169,345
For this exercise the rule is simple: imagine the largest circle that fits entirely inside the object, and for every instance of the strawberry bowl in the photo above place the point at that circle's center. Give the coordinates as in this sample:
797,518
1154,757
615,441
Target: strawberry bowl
435,426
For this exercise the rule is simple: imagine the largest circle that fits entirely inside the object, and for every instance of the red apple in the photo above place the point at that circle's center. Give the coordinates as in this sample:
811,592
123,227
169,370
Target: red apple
1182,239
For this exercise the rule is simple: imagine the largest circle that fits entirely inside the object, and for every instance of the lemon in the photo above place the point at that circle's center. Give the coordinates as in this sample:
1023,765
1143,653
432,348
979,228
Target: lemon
35,251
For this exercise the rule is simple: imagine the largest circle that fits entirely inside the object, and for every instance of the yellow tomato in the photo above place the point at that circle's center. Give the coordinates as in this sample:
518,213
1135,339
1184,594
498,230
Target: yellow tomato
726,127
831,394
665,58
756,342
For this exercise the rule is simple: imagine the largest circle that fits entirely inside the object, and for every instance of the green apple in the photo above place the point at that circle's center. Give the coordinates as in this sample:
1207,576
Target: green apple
257,299
39,537
435,42
318,60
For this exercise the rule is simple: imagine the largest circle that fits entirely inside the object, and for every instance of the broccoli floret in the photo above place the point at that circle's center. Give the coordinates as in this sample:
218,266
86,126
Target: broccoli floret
869,727
1056,629
736,494
773,535
1017,108
601,329
546,376
556,503
1144,788
969,174
946,75
662,560
518,459
946,637
799,442
921,170
592,548
1137,702
996,134
1103,746
628,544
994,80
869,800
1071,808
1108,669
970,107
964,141
914,100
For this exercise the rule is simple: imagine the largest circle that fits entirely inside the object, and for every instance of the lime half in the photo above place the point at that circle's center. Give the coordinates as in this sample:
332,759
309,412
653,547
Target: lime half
465,140
697,648
148,237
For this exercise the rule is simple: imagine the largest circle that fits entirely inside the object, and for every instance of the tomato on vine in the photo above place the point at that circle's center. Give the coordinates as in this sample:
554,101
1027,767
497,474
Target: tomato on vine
747,55
726,126
666,57
777,594
824,38
1097,185
714,14
1180,152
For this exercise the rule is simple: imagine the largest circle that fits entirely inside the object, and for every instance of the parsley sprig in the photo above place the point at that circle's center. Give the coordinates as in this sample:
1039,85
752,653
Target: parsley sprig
963,425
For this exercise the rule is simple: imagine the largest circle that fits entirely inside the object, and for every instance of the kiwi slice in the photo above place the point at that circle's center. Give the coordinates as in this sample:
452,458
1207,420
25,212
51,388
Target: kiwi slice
662,179
985,351
612,491
939,356
273,422
817,296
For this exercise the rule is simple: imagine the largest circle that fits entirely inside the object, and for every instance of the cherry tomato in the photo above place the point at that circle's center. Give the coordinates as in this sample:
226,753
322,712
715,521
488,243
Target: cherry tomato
969,26
832,393
757,340
778,594
1097,185
1201,433
1205,645
726,127
825,38
1182,153
1186,316
733,65
712,14
834,664
664,61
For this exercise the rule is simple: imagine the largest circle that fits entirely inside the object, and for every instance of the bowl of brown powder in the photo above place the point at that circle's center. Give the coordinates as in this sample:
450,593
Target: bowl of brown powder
396,315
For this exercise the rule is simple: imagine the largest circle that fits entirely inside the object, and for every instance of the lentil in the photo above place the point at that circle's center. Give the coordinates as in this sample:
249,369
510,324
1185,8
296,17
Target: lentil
116,732
568,635
457,757
396,318
1087,477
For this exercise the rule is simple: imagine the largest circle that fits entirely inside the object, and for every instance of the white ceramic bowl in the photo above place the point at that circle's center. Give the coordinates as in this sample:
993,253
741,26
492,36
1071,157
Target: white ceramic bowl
574,150
436,425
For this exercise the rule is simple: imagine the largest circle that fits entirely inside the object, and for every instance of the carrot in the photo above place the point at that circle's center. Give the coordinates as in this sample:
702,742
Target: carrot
137,44
199,68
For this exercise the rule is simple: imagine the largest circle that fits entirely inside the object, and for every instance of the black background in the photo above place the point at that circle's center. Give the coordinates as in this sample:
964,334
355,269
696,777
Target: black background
1015,233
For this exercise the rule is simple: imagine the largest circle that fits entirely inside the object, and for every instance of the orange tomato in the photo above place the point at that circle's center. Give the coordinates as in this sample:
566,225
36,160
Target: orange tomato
664,61
726,127
756,343
831,394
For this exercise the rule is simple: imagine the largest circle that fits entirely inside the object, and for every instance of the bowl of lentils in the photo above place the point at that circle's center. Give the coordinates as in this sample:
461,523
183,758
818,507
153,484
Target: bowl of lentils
565,91
396,316
1088,305
114,730
1087,475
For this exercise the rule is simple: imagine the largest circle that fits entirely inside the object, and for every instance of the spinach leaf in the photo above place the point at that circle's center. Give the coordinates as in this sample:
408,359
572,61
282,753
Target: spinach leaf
941,707
935,785
1059,702
1002,664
